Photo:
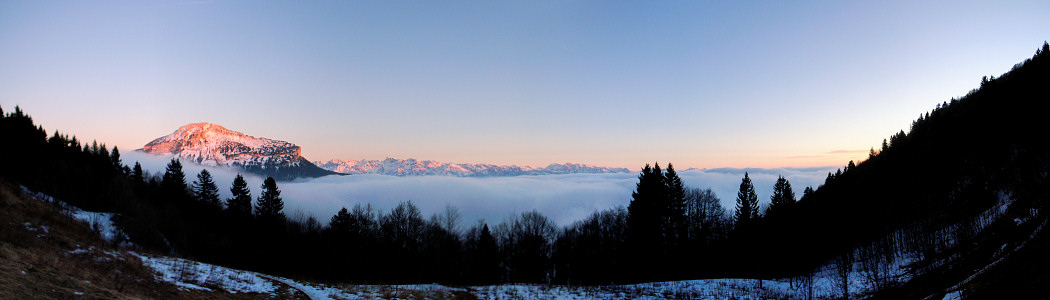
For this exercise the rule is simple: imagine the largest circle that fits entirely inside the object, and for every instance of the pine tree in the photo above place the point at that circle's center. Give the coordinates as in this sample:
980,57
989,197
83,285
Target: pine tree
674,208
205,190
341,222
174,181
746,202
115,158
137,175
270,205
645,220
643,211
487,256
783,197
241,202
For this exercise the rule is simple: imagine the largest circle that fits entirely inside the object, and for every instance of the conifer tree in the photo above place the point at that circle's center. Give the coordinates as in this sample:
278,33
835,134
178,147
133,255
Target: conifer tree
643,211
341,222
487,268
674,208
270,205
783,197
103,153
205,190
174,181
241,202
746,202
115,158
644,222
137,175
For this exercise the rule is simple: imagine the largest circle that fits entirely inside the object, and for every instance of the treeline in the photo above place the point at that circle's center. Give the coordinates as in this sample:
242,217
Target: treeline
952,164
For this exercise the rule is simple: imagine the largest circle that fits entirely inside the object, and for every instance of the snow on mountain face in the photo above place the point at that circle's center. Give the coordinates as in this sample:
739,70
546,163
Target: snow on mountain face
412,167
213,145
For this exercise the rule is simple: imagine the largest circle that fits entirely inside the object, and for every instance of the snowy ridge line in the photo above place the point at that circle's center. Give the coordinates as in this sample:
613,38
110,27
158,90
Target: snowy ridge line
413,167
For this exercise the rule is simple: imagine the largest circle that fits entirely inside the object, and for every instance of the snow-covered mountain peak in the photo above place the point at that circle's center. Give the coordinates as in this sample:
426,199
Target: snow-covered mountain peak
211,144
214,145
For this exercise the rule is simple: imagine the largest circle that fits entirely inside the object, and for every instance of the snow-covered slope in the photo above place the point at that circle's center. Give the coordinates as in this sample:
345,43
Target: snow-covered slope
213,145
412,167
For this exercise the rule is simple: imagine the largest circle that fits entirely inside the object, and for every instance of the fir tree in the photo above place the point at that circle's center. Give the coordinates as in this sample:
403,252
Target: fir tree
341,222
270,205
644,222
174,181
241,202
783,197
674,207
115,158
643,211
205,190
487,256
137,175
746,202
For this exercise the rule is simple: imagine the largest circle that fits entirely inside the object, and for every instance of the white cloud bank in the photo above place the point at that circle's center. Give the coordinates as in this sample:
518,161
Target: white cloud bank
564,198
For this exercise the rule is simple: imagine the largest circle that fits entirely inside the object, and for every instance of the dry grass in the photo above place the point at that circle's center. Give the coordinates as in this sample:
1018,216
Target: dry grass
37,259
45,254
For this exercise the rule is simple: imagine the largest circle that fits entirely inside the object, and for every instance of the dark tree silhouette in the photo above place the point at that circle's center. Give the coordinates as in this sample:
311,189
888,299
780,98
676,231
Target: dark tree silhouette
341,222
746,203
783,197
529,250
673,212
706,217
270,206
114,157
136,174
644,223
174,181
486,257
205,190
240,204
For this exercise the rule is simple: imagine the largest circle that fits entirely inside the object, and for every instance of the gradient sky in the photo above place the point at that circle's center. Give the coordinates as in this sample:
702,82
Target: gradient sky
701,84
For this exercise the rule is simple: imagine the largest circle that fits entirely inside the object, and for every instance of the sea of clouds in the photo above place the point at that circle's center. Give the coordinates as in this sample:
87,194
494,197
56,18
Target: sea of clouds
563,198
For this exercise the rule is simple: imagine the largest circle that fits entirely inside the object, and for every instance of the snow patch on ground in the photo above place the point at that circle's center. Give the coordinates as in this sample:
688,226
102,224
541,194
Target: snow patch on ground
196,275
956,295
101,222
730,288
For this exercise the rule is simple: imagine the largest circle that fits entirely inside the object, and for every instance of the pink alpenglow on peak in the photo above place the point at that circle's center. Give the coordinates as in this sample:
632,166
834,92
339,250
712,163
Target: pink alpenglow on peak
412,167
213,145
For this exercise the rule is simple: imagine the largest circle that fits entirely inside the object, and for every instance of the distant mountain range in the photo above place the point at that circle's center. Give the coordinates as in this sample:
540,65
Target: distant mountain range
412,167
213,145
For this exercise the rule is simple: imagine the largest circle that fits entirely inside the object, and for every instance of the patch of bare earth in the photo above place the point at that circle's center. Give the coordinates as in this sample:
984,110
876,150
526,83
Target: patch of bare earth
45,254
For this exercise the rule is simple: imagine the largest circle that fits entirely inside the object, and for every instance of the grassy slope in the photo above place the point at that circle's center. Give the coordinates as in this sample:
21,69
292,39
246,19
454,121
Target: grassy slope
37,264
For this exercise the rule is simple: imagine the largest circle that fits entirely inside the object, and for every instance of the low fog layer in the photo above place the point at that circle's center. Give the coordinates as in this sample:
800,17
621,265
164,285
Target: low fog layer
564,198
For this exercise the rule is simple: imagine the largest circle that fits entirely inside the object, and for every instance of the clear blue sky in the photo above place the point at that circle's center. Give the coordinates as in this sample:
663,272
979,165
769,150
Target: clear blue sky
701,84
